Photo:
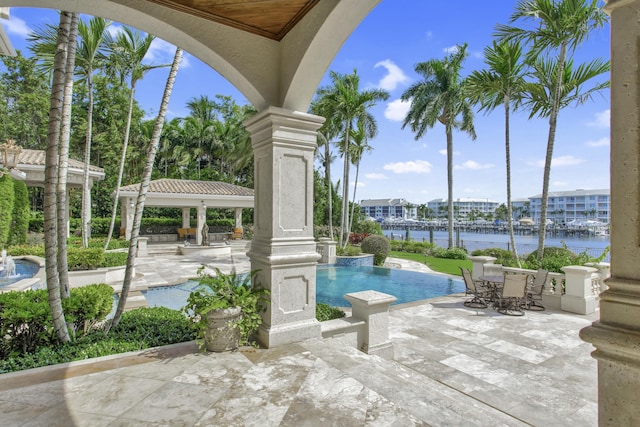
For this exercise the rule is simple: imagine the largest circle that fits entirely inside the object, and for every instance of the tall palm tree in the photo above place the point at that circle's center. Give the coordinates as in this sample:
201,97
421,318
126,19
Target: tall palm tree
51,177
501,84
125,55
359,146
144,187
441,97
345,104
557,28
88,59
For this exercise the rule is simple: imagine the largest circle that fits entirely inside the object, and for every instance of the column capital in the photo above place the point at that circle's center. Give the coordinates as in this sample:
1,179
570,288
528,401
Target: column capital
611,5
280,126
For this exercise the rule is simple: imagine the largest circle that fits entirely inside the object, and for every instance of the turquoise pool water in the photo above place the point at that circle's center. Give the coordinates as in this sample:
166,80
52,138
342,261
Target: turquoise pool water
333,282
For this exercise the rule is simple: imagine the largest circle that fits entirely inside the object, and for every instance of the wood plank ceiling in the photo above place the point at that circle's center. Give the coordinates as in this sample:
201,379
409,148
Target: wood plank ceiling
268,18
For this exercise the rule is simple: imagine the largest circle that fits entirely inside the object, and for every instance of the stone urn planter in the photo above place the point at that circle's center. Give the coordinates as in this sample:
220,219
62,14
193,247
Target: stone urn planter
225,308
222,332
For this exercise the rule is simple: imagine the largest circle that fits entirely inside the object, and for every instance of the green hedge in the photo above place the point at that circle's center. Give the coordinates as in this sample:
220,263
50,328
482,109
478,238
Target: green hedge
20,217
77,258
6,208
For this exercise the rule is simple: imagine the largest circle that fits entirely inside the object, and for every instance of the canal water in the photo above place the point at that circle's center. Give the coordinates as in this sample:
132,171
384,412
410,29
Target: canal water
593,245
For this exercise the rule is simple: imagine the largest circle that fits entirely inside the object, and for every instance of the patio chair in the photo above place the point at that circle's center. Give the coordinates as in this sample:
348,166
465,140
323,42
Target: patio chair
476,289
533,297
513,294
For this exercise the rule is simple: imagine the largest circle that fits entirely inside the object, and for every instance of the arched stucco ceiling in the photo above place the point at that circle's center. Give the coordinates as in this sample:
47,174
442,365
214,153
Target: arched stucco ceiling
267,72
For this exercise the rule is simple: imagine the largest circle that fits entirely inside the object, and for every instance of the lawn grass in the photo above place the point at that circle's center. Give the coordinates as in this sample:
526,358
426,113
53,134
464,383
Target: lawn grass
441,265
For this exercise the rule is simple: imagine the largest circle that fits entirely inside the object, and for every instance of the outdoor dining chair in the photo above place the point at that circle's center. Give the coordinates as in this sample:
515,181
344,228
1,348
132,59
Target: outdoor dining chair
533,297
479,291
512,295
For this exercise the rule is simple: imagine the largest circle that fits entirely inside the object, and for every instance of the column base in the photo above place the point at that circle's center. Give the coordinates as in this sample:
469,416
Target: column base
385,351
276,335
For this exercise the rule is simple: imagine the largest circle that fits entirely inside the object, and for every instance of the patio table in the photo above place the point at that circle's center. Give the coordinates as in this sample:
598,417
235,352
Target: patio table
493,282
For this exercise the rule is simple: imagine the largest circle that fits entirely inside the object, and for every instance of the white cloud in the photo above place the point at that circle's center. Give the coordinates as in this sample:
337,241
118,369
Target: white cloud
429,35
17,26
602,120
559,161
394,76
451,49
397,110
375,176
602,142
473,165
162,52
443,151
413,166
114,30
360,184
559,184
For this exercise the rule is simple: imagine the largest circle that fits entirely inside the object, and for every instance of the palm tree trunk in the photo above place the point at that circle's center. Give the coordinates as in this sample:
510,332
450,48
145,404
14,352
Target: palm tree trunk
327,170
86,191
450,183
553,121
144,186
123,158
507,150
353,203
344,215
63,160
51,178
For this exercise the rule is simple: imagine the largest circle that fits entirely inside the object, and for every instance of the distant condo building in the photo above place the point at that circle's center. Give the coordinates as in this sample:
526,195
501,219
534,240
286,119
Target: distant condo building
388,208
566,206
463,207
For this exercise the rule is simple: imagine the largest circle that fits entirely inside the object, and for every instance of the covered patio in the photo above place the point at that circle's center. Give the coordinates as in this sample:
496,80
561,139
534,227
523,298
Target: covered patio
277,60
186,195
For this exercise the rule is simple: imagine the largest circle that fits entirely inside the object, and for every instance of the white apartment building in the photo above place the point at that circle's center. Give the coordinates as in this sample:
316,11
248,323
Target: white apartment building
463,207
388,208
565,206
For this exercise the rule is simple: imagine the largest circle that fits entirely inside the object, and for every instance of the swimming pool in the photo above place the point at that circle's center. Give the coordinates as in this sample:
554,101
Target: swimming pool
332,283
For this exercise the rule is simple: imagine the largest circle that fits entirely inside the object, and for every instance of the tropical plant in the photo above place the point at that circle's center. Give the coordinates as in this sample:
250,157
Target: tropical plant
7,200
441,96
359,146
20,216
557,28
224,291
126,53
379,246
501,84
344,105
144,187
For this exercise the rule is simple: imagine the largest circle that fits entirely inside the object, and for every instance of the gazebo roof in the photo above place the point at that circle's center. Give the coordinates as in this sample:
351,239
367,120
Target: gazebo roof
32,163
190,193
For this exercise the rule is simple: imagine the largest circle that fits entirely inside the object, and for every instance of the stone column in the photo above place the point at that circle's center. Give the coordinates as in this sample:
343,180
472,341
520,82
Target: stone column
238,226
578,296
373,308
202,218
126,214
616,335
283,249
186,217
478,263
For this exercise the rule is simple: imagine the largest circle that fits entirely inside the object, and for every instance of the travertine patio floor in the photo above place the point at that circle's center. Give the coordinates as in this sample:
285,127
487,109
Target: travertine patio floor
453,367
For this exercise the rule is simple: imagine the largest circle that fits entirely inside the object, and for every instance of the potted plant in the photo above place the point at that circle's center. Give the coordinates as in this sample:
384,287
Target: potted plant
226,309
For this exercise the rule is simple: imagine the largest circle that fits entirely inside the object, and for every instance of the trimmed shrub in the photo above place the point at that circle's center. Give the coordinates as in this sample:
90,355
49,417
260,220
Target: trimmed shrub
114,259
25,322
20,218
6,208
450,253
357,238
379,246
84,259
503,256
348,251
327,312
86,306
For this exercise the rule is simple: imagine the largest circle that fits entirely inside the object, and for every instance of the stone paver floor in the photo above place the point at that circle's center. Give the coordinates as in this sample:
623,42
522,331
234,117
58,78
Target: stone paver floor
453,366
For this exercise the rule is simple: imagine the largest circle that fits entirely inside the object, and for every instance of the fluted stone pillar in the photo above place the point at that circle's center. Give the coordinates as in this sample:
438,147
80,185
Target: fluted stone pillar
283,249
616,335
202,219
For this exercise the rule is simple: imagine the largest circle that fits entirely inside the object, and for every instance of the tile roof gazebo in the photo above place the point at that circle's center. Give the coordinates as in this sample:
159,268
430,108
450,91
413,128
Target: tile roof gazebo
186,194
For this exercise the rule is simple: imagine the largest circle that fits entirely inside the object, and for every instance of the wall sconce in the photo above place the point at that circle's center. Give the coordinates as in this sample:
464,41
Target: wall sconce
131,204
204,206
10,156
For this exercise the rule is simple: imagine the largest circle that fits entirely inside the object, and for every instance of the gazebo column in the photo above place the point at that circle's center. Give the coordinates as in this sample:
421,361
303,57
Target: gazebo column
238,226
186,217
616,335
283,250
127,211
202,218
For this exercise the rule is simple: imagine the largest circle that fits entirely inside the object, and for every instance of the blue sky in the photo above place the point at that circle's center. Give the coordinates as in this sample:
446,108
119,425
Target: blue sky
384,50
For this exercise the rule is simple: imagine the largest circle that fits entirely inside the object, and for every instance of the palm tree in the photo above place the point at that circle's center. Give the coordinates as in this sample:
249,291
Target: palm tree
327,158
126,53
345,104
441,97
501,84
144,186
90,52
359,146
51,177
558,28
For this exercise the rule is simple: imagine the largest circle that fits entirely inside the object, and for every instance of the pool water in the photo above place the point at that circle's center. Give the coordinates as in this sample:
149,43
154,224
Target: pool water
332,283
24,270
